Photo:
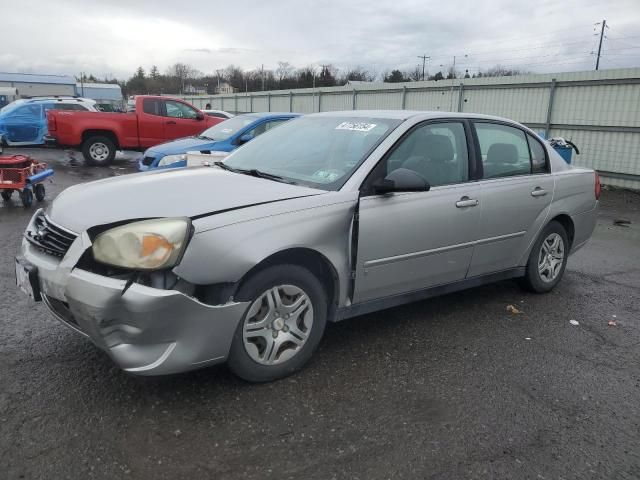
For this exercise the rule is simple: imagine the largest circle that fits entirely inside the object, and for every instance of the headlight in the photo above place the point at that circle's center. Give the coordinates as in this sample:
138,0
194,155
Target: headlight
145,245
171,159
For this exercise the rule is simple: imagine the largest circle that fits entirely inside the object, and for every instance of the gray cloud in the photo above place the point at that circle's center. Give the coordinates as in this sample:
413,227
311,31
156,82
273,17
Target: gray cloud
114,37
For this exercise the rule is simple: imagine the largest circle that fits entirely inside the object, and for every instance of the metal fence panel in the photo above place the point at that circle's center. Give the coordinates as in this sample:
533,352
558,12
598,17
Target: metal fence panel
433,99
528,105
597,110
337,101
598,105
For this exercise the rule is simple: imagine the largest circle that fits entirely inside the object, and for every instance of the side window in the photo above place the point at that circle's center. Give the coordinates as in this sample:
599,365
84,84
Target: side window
152,106
263,127
68,106
504,150
179,110
538,156
437,151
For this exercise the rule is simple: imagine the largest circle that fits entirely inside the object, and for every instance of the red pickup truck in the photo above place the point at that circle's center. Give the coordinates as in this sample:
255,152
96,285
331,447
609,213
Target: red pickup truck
100,134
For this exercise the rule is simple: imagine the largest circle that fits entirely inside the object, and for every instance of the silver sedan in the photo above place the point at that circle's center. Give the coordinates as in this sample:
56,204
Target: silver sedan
329,216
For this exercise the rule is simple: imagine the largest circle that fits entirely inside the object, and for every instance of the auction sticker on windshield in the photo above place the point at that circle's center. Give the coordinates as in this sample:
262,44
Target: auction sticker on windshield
356,126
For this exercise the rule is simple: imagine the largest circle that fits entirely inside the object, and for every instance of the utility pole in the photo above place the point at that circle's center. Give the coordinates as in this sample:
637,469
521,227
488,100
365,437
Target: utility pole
424,60
262,75
604,25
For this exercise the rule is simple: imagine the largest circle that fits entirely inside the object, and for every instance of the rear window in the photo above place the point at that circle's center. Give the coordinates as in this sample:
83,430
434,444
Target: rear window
152,106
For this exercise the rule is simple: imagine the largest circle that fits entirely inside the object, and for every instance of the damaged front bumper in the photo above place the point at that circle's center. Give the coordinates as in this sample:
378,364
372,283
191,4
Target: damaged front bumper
145,330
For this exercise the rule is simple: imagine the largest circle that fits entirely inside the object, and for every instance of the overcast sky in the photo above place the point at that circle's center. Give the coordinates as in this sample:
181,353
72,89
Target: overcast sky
112,37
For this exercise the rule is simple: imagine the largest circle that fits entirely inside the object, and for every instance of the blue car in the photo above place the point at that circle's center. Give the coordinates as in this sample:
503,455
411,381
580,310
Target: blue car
223,137
24,122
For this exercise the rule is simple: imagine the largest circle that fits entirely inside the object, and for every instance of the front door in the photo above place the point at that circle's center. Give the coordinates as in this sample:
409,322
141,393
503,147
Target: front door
414,240
516,193
181,120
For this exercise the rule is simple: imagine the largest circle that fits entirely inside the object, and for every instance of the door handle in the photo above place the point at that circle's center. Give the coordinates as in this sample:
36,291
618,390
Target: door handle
171,122
538,192
467,202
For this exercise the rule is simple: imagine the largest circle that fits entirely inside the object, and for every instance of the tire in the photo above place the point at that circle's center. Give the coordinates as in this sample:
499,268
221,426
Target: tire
6,195
249,358
39,191
98,151
542,275
26,196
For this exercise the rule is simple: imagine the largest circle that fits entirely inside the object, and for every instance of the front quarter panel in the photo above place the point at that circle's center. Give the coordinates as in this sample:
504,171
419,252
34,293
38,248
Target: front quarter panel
227,245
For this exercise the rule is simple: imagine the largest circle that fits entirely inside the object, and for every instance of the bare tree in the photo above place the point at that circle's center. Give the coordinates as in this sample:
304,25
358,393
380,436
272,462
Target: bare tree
283,71
182,72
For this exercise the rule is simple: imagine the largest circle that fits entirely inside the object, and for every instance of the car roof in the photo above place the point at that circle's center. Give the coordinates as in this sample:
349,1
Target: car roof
269,114
406,114
56,99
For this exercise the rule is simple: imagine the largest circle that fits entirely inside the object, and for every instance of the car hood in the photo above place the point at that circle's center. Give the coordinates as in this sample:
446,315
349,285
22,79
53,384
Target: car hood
188,192
182,145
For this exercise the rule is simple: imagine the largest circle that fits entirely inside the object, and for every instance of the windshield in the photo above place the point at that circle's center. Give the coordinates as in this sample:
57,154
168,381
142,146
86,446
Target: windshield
320,152
224,130
11,107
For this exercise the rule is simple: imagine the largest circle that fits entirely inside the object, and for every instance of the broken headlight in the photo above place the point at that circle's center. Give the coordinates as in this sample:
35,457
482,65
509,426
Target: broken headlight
144,245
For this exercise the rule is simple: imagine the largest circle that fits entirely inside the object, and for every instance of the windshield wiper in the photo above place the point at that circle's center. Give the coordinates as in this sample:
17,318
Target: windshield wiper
254,172
203,137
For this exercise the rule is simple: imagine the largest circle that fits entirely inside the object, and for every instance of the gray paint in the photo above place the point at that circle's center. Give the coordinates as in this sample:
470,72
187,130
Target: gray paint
407,242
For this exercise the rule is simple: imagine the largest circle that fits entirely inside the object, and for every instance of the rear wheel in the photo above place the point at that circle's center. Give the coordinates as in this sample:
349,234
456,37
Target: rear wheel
98,151
283,325
6,195
26,196
547,260
40,191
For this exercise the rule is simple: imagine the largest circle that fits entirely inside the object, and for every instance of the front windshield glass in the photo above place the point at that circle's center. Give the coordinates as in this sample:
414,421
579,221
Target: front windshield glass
224,130
320,152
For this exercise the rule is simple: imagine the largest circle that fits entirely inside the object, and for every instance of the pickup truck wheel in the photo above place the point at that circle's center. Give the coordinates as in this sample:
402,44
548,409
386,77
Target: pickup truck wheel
282,326
98,151
547,260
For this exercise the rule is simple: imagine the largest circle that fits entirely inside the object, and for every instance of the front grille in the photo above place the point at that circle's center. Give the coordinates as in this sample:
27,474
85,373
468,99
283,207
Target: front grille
148,160
49,237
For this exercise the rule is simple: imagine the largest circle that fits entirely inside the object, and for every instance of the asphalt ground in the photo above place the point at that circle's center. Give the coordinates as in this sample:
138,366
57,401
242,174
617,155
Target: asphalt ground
450,388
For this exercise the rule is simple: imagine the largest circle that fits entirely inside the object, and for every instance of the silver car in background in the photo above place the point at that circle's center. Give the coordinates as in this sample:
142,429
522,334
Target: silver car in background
331,215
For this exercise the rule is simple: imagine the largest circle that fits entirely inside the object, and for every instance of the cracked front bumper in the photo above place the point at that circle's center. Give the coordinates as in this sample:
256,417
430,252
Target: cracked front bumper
146,331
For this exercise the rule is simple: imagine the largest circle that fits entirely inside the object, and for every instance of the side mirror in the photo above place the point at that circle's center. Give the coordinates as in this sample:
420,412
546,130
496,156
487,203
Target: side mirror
401,180
245,138
199,116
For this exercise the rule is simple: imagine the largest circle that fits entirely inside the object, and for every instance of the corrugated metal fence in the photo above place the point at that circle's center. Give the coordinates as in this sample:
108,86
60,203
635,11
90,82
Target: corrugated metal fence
598,110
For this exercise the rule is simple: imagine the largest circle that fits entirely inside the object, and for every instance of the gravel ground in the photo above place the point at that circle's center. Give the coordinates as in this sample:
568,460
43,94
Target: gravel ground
453,387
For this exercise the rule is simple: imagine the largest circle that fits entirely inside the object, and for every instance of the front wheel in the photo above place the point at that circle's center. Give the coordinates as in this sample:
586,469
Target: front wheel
98,151
283,325
547,260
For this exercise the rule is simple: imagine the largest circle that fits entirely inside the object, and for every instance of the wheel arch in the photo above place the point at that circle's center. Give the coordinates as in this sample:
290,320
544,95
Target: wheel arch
87,134
568,225
317,263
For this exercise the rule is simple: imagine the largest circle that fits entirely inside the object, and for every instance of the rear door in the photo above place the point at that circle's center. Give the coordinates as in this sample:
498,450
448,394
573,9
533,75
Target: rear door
151,122
413,240
181,120
516,192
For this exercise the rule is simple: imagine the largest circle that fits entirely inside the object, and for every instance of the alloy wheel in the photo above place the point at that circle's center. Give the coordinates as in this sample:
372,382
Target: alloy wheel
551,257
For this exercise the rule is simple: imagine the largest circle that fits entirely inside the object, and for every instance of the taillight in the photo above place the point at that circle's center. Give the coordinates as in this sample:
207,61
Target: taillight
598,188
